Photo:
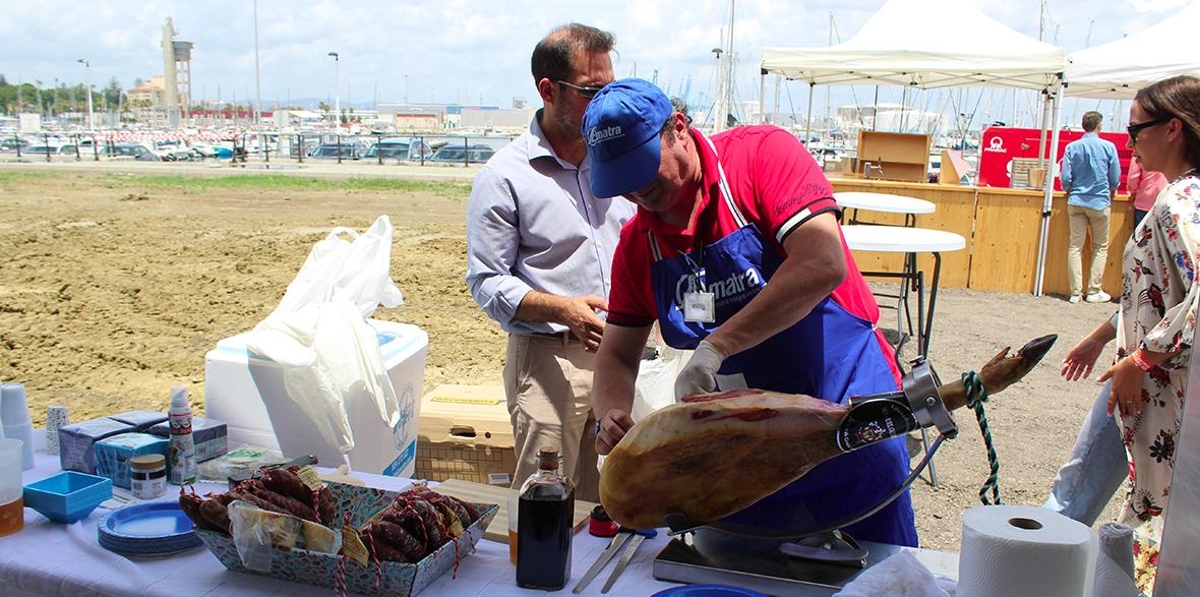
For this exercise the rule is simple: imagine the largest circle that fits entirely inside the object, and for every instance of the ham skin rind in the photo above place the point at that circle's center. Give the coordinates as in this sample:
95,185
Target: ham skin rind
710,457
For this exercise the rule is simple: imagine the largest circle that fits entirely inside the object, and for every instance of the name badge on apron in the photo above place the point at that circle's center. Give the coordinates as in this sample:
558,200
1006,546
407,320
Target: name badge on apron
699,306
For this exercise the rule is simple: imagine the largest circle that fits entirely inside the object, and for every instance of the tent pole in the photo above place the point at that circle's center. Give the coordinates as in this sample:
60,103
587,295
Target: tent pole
1046,105
808,118
1048,195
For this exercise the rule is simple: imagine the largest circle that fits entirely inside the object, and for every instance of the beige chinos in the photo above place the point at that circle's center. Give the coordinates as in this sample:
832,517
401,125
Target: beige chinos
1081,220
548,383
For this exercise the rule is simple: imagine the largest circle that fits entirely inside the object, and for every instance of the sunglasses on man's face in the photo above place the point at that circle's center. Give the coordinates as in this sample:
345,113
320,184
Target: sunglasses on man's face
585,92
1134,129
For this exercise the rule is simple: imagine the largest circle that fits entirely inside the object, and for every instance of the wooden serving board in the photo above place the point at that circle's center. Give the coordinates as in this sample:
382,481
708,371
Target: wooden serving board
494,494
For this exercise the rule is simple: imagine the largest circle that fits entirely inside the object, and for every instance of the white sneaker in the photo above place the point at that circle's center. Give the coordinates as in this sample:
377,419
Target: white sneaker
1074,299
1098,297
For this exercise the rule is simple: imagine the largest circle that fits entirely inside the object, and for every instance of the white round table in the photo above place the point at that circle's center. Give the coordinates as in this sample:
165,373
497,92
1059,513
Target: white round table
901,239
884,203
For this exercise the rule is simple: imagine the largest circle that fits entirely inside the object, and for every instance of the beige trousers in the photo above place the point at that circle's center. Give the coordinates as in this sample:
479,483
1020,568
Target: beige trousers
1083,219
548,384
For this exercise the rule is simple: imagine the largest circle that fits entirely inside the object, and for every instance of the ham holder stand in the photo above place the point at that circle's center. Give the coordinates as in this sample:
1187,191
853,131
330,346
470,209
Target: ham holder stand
818,561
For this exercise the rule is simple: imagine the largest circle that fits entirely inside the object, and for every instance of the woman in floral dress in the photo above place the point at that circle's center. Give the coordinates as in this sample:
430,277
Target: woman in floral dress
1156,322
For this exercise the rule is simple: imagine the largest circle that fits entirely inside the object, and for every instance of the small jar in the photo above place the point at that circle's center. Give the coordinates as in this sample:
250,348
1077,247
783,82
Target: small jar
148,476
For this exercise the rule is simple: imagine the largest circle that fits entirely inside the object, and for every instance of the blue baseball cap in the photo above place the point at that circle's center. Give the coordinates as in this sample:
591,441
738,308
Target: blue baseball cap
621,128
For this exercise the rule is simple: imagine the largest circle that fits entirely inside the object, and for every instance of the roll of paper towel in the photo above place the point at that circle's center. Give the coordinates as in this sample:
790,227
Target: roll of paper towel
1019,551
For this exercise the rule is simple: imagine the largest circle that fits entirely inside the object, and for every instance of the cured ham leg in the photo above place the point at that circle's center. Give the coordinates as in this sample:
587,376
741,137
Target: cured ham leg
715,454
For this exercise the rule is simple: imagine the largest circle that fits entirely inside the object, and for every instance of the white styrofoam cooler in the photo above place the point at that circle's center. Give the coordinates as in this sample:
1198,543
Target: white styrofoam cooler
248,393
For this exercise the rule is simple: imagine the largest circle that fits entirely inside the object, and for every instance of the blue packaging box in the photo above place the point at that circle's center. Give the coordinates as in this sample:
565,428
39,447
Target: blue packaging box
210,436
113,454
140,419
76,442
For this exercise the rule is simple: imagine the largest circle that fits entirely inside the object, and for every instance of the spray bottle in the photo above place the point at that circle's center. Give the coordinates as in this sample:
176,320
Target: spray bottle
182,456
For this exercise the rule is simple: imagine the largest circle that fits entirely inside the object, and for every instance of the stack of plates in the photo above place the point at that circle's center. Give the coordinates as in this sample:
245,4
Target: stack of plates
147,529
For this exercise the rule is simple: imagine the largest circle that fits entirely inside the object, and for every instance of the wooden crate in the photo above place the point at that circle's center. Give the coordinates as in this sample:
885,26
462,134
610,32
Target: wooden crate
903,156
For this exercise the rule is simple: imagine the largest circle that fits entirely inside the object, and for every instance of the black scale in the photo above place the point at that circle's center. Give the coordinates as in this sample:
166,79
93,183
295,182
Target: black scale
820,562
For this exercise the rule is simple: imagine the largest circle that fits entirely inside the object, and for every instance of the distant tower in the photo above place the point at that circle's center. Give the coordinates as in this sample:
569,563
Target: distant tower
177,73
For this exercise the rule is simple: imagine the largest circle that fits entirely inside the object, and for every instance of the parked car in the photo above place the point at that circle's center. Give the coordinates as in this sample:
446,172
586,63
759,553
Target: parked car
475,154
52,149
133,151
174,151
331,151
11,143
398,148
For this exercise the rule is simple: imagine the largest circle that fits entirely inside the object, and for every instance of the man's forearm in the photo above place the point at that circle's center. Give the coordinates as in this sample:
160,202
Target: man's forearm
541,306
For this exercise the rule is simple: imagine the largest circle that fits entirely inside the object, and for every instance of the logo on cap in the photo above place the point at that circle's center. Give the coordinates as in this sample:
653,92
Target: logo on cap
599,135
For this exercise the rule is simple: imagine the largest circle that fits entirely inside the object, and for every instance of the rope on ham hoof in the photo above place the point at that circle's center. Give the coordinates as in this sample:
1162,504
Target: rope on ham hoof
976,396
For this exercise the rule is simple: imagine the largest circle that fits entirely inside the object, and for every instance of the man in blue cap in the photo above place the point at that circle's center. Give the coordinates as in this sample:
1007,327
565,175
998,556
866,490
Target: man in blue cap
737,253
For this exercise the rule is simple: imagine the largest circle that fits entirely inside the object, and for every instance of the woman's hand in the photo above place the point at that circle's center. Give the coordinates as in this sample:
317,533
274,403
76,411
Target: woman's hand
1127,393
1079,362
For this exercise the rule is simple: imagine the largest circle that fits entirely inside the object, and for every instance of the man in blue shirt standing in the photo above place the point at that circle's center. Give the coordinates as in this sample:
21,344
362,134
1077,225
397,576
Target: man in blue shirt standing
539,249
1090,175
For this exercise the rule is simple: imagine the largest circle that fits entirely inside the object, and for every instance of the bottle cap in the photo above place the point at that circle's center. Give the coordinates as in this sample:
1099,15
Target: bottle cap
147,462
179,398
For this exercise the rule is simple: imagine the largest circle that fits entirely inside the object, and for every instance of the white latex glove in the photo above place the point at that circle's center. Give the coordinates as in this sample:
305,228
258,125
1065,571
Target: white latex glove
699,374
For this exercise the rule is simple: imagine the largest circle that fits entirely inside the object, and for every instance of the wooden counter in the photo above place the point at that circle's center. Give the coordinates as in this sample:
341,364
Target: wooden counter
1001,227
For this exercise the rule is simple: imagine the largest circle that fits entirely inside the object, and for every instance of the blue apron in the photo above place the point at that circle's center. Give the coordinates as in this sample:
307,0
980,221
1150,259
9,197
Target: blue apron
831,354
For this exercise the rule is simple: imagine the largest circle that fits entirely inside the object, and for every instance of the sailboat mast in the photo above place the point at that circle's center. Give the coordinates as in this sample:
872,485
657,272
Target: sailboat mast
721,108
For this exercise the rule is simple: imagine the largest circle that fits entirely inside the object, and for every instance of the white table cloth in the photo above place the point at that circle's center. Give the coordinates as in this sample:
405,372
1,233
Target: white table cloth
47,559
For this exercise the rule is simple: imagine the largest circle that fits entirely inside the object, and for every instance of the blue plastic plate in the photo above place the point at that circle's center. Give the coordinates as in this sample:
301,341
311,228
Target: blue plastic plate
152,528
707,591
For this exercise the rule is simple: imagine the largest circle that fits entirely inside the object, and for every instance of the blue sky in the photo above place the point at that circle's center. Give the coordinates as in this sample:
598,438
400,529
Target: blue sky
466,51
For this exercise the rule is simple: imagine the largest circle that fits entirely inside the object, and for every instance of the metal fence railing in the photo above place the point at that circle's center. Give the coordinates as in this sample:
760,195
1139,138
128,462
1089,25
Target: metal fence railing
380,149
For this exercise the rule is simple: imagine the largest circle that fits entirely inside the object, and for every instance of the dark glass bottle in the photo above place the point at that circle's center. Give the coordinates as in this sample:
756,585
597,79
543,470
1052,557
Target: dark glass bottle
544,516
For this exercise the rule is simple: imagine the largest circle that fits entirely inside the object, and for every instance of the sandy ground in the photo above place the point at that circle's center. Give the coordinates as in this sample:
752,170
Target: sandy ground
113,287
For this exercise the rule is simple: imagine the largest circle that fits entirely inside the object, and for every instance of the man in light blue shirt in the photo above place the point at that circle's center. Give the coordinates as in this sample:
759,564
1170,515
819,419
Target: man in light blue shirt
539,252
1090,175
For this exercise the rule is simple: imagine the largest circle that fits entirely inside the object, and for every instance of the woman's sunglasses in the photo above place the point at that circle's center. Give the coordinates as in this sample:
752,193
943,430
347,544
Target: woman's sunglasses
1134,129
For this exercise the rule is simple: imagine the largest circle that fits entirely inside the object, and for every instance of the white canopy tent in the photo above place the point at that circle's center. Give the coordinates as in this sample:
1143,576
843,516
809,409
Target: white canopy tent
931,44
1116,70
926,44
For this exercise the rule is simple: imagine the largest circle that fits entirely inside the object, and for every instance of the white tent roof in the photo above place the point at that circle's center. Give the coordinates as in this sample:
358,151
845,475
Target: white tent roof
1116,70
927,44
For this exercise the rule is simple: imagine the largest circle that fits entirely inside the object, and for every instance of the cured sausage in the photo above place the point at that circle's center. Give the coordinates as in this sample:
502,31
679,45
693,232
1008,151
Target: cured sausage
397,537
290,504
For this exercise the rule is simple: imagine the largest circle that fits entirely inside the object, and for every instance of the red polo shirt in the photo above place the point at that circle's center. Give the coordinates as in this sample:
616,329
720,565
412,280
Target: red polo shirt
775,183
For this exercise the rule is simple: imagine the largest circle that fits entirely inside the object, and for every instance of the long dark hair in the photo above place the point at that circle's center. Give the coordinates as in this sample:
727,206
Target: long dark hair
1177,97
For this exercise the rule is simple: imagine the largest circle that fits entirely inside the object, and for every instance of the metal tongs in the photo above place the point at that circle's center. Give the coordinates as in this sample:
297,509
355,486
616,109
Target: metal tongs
626,538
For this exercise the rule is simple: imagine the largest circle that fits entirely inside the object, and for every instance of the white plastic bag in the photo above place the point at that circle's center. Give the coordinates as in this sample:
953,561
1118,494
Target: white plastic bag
356,270
319,334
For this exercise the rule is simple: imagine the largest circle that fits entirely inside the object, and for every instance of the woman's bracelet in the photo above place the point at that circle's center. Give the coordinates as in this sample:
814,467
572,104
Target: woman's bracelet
1139,359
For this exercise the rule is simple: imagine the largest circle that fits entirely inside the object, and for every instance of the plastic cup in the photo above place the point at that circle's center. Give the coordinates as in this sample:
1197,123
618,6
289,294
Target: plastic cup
13,407
17,425
12,505
514,504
